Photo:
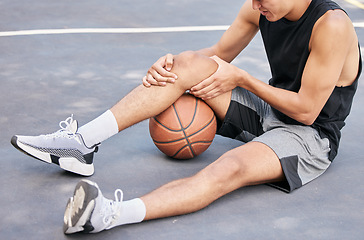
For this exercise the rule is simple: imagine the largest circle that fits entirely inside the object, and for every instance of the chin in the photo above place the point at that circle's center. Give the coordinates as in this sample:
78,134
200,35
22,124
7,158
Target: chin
272,18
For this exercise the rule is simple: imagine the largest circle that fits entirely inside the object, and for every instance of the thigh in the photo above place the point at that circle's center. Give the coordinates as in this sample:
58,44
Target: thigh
260,163
245,116
250,164
220,105
303,154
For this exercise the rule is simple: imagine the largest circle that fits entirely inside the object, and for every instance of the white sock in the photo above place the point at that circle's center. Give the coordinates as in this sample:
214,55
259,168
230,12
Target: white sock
132,211
99,129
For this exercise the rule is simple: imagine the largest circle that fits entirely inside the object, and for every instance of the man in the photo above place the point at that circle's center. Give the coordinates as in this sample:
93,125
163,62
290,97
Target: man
291,125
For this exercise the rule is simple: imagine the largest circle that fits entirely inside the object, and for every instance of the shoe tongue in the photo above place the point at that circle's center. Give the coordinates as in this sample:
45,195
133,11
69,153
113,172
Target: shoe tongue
73,126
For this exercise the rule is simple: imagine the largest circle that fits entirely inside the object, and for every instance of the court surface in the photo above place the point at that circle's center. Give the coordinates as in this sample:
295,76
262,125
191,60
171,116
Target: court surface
47,77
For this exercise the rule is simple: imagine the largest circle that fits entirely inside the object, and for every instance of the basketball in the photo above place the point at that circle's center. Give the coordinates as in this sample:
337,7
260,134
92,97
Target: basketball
185,129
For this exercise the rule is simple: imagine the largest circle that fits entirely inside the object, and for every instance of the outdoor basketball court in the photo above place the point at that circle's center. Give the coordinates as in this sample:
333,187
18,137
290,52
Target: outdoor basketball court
91,53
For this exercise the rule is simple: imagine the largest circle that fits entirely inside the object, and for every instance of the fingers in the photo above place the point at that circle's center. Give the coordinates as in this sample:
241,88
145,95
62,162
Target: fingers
169,62
145,82
205,89
211,87
203,84
159,74
207,93
160,77
149,80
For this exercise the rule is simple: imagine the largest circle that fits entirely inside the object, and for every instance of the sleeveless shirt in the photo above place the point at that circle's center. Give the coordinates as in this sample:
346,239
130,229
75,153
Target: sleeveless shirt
287,47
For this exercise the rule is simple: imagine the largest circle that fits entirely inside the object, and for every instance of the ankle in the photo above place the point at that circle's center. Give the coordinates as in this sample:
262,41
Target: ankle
99,129
132,211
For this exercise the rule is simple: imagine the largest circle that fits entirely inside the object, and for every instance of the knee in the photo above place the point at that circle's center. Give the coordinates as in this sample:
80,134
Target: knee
185,59
186,62
228,170
191,68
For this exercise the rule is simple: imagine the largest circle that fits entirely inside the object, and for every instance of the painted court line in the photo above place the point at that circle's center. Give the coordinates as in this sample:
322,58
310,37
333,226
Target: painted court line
359,24
124,30
114,30
356,3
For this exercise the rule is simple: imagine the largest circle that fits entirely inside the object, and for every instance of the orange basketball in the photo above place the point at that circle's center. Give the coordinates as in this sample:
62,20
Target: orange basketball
185,129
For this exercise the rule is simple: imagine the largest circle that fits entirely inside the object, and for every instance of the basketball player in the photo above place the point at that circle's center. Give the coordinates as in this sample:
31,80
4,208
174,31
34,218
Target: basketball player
291,126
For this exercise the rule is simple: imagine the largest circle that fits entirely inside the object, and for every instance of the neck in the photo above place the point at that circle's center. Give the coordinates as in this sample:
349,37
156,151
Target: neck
298,10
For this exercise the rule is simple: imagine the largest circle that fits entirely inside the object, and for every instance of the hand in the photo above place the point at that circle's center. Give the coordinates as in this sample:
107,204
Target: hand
159,73
223,80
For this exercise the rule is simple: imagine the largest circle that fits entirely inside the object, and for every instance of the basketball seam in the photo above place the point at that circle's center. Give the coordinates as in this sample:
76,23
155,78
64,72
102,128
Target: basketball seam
183,129
179,150
188,143
193,143
212,119
172,130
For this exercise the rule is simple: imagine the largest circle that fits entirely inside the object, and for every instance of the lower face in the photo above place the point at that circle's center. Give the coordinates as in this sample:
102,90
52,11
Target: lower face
273,10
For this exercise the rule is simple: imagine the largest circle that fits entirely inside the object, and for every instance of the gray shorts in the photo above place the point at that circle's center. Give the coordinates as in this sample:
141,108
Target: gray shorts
303,154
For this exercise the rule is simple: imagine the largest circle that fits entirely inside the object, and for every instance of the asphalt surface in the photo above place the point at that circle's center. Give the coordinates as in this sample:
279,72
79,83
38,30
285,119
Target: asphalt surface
45,78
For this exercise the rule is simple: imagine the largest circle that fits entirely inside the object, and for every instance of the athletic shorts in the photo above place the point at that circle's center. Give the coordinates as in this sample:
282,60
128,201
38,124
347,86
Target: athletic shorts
303,154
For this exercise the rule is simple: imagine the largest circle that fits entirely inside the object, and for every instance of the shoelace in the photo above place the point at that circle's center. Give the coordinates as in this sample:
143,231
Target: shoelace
112,208
66,123
65,130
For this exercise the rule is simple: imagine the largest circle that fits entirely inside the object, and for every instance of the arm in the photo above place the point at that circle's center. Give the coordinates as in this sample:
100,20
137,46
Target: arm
238,35
331,40
233,41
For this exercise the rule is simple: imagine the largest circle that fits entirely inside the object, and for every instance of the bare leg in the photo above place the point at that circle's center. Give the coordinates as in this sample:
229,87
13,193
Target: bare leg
143,103
252,163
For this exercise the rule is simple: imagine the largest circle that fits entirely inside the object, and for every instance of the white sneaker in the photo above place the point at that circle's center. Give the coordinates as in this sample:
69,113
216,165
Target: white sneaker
65,148
89,211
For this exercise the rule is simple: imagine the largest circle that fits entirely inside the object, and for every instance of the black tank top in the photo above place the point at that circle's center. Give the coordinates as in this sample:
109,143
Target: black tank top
287,48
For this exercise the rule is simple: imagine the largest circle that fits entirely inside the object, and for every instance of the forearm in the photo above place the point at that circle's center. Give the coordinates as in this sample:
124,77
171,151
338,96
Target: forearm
209,52
290,103
227,56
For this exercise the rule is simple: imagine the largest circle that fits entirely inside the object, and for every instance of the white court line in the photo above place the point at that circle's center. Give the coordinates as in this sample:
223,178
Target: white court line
124,30
114,30
356,3
359,24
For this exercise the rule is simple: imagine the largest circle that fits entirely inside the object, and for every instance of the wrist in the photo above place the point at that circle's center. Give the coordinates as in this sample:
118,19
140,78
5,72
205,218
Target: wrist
242,78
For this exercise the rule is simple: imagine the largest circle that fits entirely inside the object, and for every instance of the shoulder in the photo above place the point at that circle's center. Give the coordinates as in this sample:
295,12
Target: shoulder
333,26
334,19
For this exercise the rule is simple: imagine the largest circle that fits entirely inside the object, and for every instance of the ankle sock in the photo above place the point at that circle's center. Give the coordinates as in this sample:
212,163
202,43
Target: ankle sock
99,129
132,211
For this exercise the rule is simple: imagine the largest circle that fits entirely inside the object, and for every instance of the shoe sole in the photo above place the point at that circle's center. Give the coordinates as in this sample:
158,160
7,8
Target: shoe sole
70,164
79,208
